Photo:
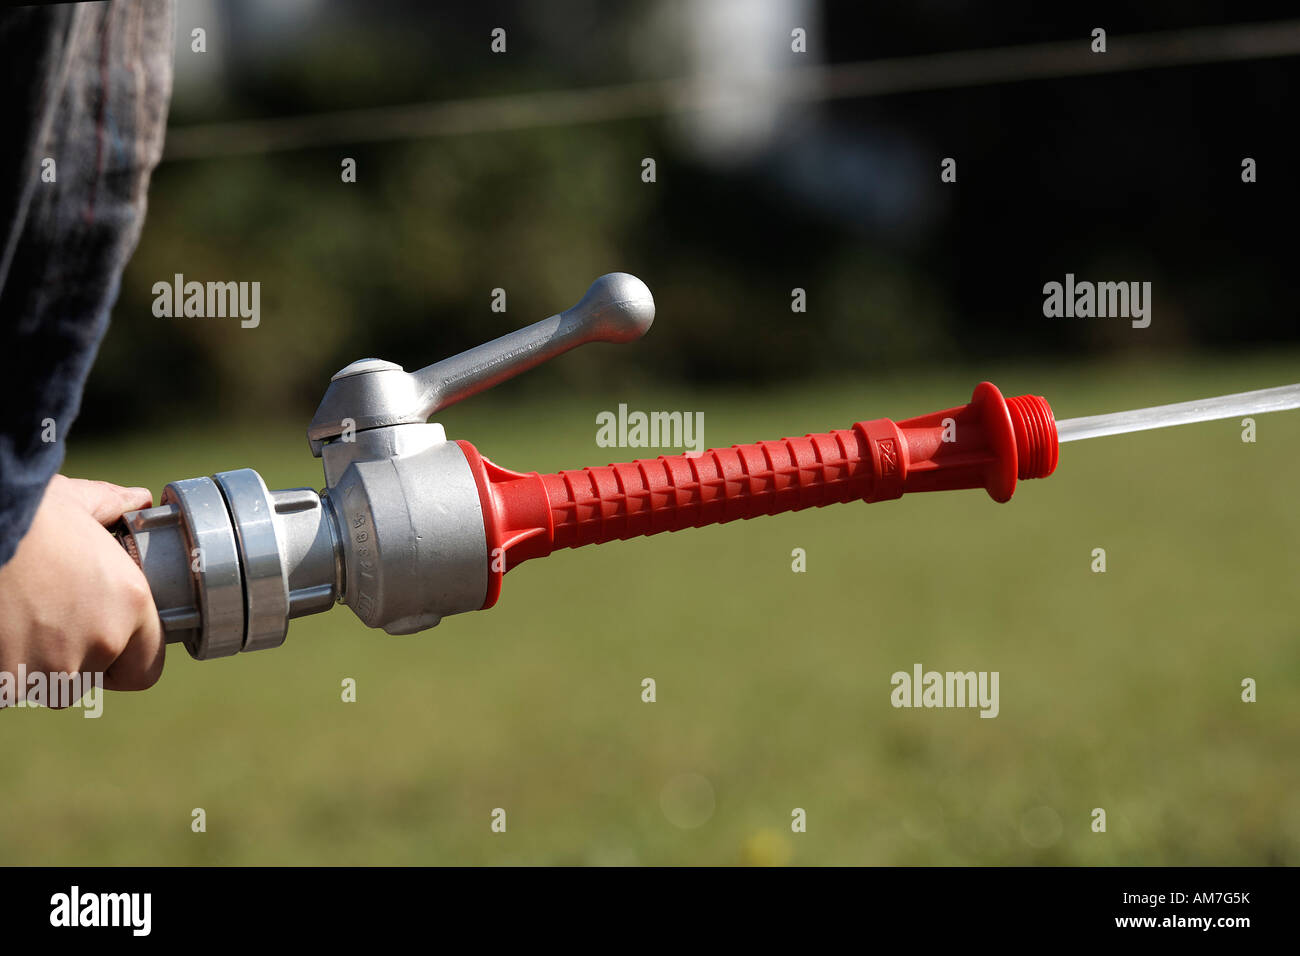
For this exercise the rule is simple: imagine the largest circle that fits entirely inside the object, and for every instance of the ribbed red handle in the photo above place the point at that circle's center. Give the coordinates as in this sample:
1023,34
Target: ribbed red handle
672,492
987,443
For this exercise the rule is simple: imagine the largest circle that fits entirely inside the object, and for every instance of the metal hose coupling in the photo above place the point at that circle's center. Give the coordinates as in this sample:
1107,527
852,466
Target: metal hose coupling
230,563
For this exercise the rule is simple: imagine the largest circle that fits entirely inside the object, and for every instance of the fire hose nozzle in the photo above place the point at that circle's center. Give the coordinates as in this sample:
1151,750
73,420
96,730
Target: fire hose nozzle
412,527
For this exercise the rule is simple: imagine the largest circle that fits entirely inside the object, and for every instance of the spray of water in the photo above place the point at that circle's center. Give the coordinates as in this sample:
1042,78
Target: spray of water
1183,413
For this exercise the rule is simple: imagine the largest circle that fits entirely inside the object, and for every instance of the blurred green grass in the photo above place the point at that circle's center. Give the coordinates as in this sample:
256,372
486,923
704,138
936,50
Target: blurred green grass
1118,690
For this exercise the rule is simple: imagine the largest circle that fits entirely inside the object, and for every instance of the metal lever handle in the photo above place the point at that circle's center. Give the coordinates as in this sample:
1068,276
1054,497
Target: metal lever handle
617,308
374,394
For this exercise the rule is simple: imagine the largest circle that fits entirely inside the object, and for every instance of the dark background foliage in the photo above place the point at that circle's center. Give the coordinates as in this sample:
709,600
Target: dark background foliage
1130,176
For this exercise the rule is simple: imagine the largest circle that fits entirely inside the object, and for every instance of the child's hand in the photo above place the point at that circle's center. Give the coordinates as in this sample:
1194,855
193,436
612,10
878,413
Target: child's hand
71,598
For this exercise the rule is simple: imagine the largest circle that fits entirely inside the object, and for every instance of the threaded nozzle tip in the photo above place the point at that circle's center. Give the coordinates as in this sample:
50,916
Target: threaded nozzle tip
1035,427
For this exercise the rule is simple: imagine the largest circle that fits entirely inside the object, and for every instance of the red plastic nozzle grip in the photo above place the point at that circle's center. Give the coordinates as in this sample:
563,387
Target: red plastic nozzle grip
988,443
